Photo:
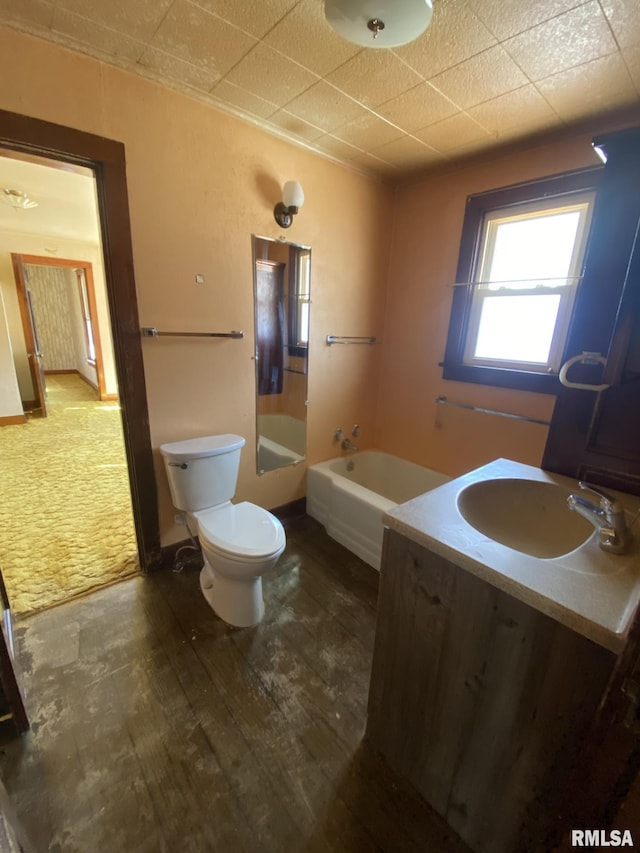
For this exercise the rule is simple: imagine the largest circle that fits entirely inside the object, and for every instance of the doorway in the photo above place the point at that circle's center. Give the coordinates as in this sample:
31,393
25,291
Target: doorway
52,144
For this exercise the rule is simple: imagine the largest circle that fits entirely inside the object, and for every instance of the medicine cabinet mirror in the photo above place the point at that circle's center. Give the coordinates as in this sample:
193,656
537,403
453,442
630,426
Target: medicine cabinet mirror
282,278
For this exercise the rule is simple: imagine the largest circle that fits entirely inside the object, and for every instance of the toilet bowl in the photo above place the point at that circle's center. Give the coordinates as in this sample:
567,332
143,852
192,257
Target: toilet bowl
239,542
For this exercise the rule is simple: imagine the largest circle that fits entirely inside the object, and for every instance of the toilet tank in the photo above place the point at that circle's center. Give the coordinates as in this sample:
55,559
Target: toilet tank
202,472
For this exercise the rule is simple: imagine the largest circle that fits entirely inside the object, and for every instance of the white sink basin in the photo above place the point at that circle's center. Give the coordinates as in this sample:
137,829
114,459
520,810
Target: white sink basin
530,516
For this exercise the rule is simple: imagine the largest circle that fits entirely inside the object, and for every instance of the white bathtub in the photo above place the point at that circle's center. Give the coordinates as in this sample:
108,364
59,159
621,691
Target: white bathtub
349,496
281,441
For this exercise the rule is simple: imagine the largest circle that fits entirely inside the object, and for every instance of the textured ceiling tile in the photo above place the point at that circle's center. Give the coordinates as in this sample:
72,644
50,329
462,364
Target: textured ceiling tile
139,20
271,76
480,78
326,107
454,35
98,37
176,70
253,16
563,42
507,18
36,12
200,38
245,101
631,57
407,152
452,133
523,108
600,85
295,126
336,147
417,108
374,76
624,18
368,132
305,36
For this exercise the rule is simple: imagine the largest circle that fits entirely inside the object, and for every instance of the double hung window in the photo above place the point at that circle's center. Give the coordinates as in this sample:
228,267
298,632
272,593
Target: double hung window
520,266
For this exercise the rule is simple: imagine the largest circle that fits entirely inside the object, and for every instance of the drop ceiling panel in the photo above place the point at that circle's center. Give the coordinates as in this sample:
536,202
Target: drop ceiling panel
483,72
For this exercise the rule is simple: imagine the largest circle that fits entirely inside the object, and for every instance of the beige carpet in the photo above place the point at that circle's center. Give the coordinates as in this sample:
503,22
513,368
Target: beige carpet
65,508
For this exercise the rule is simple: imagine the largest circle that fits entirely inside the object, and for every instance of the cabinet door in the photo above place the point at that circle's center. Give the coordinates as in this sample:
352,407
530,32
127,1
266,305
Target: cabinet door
596,435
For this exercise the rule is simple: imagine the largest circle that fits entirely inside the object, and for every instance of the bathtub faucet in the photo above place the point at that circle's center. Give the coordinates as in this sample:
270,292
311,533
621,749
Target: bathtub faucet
348,445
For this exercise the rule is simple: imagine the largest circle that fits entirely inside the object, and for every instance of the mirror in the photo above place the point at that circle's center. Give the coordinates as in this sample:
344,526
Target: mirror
282,279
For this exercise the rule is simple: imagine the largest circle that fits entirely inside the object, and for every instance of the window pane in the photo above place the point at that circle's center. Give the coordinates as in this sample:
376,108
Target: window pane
517,328
538,248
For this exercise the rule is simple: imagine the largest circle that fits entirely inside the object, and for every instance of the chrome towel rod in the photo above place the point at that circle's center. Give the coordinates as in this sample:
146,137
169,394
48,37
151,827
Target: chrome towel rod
152,332
443,401
351,339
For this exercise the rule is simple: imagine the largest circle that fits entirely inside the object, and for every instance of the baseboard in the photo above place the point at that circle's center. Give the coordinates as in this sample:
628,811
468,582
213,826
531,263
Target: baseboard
30,405
61,372
291,511
113,398
13,419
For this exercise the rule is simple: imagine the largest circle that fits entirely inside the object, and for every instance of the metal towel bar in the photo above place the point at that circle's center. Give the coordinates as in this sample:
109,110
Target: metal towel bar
351,339
443,401
152,332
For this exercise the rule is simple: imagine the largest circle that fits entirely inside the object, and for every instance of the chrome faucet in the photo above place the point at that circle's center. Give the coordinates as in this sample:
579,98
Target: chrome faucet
607,517
347,444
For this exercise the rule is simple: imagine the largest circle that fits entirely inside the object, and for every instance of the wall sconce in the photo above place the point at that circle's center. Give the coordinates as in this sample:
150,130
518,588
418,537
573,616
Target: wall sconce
292,201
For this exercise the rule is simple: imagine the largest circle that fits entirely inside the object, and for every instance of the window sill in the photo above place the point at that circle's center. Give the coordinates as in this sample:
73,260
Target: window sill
521,380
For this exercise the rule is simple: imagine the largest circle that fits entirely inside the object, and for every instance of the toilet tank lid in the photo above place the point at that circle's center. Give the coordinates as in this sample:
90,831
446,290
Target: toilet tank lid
208,445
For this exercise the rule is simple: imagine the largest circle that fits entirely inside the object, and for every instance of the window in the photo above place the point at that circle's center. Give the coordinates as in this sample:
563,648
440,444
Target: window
520,264
299,300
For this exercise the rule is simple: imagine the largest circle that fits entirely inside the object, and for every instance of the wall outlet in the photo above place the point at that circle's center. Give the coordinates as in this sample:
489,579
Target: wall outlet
180,518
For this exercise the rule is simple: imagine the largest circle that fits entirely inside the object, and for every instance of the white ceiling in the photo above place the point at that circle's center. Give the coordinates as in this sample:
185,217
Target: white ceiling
66,199
485,72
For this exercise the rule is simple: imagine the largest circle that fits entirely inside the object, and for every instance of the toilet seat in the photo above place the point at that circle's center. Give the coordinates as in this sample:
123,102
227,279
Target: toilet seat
242,531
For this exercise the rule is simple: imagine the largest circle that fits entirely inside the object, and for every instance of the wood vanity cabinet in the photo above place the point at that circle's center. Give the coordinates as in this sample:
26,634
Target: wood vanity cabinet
479,700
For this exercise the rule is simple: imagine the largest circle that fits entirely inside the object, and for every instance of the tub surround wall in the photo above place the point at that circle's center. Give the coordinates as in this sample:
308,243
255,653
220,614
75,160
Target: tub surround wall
200,182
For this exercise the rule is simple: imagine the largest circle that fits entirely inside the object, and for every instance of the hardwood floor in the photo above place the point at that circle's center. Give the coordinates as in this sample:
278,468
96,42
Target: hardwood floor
156,727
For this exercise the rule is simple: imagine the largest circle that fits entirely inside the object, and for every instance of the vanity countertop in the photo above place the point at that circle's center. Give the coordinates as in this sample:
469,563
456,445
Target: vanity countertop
588,590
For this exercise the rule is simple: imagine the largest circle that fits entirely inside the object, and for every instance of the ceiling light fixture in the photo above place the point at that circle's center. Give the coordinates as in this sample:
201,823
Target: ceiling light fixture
16,198
292,201
379,23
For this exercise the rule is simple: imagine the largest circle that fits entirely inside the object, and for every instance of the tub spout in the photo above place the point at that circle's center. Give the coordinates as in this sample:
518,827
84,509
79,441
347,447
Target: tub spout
348,445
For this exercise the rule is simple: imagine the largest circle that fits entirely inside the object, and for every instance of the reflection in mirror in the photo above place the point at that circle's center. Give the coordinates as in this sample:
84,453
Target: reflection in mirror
282,277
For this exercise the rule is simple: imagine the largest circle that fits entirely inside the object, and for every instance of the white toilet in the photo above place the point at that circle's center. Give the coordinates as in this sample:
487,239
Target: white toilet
239,542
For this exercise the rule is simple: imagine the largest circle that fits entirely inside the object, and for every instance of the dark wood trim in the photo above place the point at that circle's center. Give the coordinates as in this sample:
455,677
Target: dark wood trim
29,405
62,372
8,420
290,511
477,207
106,158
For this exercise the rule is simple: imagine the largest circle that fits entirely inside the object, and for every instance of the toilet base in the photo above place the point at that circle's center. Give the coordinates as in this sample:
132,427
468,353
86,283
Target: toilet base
237,602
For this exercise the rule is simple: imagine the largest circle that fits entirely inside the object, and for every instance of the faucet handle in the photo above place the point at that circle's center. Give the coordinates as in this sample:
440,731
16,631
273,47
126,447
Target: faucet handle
607,501
338,434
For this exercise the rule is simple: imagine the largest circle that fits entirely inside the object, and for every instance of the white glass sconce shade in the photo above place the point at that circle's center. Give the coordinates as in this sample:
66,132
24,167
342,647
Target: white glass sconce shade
292,201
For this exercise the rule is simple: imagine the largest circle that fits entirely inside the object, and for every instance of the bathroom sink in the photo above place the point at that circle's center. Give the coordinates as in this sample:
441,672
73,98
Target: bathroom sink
530,516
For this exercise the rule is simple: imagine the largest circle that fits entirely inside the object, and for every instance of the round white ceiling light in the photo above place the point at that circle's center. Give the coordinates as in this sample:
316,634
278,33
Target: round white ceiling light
379,23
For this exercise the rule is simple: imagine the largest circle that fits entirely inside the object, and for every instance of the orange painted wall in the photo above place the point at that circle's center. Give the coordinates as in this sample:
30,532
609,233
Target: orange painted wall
424,257
200,184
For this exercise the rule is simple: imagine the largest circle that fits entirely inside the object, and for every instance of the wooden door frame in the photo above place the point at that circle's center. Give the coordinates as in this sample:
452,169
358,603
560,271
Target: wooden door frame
106,158
28,329
69,263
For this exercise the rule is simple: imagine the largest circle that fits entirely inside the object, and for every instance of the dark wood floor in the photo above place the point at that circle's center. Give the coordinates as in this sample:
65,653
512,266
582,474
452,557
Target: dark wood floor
156,727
